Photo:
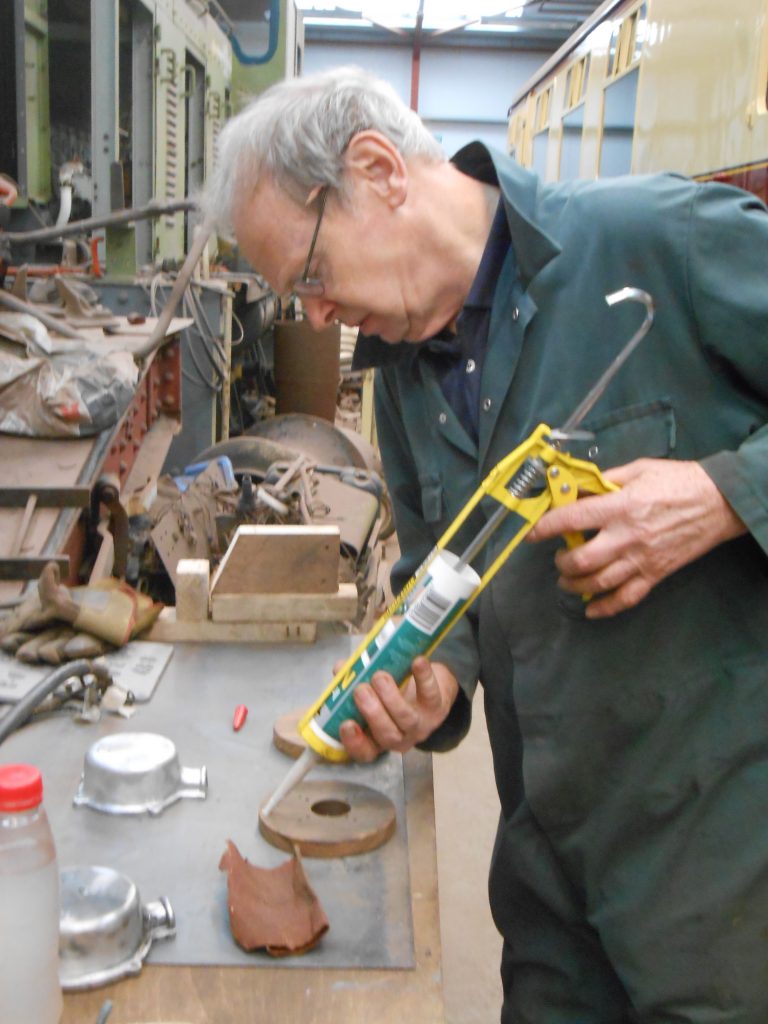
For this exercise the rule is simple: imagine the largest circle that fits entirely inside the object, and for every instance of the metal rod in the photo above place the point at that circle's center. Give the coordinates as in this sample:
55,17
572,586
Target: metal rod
586,404
78,227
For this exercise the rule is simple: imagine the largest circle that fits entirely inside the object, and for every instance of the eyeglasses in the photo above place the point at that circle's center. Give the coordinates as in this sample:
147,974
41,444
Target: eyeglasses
306,285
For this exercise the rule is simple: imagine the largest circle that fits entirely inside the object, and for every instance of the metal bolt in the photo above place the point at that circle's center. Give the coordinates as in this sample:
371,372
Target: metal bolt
565,488
554,471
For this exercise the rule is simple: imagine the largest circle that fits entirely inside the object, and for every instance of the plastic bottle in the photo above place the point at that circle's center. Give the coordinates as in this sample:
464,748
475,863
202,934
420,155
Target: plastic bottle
30,992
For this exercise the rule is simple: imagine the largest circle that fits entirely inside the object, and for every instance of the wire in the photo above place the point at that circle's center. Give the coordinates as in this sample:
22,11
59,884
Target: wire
239,323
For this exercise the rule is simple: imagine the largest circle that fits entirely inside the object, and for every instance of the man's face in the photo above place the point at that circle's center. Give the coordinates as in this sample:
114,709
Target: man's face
365,255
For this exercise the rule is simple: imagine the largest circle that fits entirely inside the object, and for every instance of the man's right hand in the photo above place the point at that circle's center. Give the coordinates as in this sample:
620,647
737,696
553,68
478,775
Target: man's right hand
399,719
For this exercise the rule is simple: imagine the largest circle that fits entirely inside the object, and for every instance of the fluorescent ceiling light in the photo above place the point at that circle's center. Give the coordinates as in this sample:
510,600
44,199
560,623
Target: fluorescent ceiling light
438,14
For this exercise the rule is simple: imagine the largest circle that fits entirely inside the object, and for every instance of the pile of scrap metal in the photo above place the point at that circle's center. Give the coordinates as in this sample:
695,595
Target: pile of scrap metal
299,471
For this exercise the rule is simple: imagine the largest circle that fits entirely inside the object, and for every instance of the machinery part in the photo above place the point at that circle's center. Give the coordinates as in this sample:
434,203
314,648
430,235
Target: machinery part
107,492
312,436
21,711
105,929
157,337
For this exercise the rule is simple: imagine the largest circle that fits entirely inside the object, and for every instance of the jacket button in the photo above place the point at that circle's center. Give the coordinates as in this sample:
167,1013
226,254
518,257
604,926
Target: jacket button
515,314
470,367
442,419
487,403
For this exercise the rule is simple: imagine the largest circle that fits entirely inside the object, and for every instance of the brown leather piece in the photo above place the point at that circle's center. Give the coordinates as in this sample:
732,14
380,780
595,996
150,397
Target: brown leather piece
274,909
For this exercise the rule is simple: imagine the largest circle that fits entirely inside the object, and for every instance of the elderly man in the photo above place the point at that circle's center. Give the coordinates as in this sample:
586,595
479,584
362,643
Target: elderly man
629,732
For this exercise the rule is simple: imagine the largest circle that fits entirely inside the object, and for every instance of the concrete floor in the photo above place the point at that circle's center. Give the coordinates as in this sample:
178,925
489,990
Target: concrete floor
466,809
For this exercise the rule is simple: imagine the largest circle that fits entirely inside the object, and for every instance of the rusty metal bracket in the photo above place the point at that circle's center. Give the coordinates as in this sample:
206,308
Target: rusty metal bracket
106,492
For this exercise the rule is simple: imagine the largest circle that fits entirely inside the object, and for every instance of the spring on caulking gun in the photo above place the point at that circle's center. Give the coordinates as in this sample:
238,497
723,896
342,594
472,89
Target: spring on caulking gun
534,470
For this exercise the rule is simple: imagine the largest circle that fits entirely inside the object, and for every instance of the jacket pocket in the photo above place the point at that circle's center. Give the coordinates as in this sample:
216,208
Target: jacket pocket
431,497
647,430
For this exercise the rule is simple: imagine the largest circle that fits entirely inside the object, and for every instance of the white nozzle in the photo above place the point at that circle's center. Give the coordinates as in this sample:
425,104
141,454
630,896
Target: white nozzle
307,760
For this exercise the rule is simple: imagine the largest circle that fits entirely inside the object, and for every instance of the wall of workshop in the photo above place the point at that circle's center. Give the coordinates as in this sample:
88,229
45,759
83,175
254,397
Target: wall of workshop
463,94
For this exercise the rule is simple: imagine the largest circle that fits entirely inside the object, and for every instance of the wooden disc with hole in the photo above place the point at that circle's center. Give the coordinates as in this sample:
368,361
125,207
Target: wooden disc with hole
285,734
330,818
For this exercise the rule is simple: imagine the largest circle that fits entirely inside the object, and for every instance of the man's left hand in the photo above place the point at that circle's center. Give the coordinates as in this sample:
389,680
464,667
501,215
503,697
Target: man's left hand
666,515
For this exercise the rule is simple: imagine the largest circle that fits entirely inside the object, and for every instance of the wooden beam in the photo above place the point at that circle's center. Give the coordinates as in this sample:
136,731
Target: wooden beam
168,629
286,607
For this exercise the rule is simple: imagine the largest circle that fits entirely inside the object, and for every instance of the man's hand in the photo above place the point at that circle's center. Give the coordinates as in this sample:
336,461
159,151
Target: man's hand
8,192
398,719
666,515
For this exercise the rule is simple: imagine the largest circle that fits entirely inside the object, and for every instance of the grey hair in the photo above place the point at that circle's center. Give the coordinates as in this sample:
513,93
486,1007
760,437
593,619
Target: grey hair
297,133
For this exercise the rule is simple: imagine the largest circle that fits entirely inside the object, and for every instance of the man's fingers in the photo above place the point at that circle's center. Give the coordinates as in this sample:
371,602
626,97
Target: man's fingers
625,597
360,746
428,692
591,513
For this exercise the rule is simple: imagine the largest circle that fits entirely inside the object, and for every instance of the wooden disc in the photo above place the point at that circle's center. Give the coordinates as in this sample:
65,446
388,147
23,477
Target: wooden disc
285,734
330,818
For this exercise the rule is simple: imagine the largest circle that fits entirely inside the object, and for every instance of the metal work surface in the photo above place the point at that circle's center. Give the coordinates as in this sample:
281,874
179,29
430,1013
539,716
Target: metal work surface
367,898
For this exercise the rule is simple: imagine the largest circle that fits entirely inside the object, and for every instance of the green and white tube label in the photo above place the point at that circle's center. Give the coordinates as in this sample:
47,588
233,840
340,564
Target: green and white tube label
433,605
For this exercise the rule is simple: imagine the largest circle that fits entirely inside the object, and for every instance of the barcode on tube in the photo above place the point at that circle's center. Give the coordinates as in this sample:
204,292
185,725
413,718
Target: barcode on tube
429,611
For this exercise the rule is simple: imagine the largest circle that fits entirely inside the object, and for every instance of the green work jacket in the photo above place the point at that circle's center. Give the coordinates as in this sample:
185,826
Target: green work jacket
607,727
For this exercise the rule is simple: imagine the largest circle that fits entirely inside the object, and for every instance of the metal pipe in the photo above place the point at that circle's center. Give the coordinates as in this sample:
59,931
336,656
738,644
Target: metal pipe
77,227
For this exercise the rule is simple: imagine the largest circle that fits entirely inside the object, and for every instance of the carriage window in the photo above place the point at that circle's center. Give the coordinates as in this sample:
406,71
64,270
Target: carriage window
573,119
570,147
541,130
619,103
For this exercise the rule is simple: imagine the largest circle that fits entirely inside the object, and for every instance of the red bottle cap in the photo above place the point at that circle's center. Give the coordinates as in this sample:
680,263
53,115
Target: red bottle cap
21,787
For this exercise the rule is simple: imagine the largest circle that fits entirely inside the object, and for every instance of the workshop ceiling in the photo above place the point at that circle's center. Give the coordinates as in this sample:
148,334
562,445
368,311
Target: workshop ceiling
527,24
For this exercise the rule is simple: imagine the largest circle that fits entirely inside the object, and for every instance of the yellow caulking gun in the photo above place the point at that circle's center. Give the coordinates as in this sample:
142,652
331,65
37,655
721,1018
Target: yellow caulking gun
536,476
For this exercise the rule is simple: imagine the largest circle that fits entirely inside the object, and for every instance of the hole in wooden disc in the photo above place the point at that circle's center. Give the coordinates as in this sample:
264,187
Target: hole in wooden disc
331,808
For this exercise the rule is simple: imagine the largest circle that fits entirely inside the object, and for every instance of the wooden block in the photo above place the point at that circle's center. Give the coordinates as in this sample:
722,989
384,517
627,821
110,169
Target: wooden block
193,578
280,560
286,607
168,629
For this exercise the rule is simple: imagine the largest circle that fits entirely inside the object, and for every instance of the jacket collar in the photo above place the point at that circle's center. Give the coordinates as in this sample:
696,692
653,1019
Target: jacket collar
533,247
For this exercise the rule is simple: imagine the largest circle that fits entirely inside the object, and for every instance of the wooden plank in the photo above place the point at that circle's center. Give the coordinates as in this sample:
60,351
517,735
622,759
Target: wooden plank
168,629
193,578
29,568
280,560
46,497
286,607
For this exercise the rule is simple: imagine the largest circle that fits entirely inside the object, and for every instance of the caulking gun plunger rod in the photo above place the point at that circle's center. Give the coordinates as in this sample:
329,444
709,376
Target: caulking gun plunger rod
521,484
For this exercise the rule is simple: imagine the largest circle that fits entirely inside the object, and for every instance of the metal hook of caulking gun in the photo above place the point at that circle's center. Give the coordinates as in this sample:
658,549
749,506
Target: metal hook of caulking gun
594,393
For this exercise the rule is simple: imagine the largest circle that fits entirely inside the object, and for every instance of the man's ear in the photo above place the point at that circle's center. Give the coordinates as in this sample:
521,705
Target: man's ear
373,160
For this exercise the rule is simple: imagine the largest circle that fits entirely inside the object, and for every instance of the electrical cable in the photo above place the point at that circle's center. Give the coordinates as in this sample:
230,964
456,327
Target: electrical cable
21,711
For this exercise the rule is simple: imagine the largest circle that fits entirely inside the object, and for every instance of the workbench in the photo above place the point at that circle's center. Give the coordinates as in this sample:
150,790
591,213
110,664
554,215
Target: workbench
297,989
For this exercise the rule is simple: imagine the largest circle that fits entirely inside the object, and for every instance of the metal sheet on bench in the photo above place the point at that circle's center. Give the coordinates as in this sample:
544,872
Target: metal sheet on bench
367,898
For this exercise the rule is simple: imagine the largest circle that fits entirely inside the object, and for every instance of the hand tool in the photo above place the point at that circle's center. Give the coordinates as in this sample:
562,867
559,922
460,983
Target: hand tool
536,476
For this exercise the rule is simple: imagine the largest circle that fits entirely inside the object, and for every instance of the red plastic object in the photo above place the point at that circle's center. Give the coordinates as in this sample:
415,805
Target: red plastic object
21,787
241,713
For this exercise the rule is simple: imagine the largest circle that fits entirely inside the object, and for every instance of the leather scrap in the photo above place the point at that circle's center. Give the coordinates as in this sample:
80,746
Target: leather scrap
275,909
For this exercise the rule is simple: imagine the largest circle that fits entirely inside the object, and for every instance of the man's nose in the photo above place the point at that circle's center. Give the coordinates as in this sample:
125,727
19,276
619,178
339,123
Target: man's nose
321,312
